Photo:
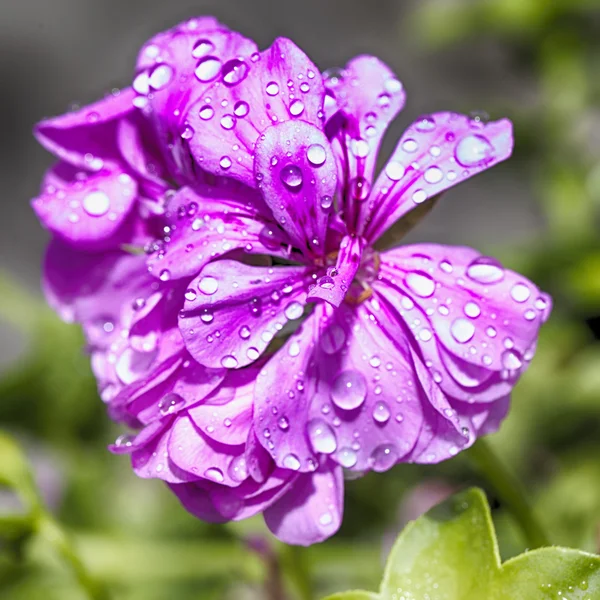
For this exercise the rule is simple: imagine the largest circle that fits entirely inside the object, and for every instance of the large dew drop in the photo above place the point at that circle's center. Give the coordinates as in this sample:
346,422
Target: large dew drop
485,270
316,155
96,203
291,177
321,436
234,71
349,390
208,68
208,285
420,283
474,151
462,330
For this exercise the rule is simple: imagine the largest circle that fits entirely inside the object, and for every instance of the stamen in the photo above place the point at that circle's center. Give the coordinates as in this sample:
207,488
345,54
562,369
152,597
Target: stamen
364,295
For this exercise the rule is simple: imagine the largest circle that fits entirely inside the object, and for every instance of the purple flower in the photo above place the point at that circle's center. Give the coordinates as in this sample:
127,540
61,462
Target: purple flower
264,342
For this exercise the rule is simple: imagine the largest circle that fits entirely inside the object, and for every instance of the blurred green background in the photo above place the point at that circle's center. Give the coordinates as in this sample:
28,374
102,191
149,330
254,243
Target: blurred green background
133,535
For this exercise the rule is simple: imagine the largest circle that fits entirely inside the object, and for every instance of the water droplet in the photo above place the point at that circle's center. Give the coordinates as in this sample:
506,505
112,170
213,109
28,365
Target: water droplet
326,202
316,155
241,109
294,310
462,330
360,188
425,123
349,390
394,170
187,133
96,203
225,162
321,436
472,310
347,457
124,441
485,270
228,122
208,68
270,237
245,332
207,316
206,112
529,314
214,474
165,275
491,332
160,76
296,108
190,295
252,353
511,360
433,175
291,176
283,423
383,457
359,148
326,519
234,71
326,282
381,412
474,151
375,361
238,469
170,404
202,48
409,145
208,285
229,362
392,85
520,292
420,283
272,88
419,196
291,462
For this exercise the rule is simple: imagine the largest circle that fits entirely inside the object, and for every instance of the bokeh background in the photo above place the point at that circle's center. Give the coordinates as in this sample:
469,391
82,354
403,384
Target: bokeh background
535,61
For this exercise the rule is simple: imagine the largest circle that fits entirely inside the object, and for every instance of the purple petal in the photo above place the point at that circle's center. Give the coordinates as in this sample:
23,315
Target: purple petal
342,386
296,173
226,417
92,288
195,498
369,96
233,311
86,138
435,153
333,286
87,213
194,453
474,321
264,90
212,221
177,70
312,509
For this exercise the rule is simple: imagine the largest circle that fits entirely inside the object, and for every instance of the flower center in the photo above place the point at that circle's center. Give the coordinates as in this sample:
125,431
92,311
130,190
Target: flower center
360,289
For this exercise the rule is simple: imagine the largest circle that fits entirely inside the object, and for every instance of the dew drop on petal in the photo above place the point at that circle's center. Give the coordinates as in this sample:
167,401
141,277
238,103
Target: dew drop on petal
359,148
326,202
333,339
291,462
511,360
291,176
208,68
462,330
349,390
234,71
360,188
474,151
384,457
394,170
160,76
96,203
206,112
471,309
272,88
485,270
321,436
214,474
208,285
229,362
433,175
520,292
202,48
252,353
381,412
421,284
225,162
419,196
425,123
170,403
316,155
190,295
296,108
294,310
238,469
409,145
245,332
228,122
347,457
241,109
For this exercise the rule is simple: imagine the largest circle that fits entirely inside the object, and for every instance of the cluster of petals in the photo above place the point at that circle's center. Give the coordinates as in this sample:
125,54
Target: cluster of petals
216,231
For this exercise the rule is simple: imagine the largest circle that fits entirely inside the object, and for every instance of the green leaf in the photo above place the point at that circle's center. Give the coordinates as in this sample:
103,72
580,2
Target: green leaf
451,554
15,472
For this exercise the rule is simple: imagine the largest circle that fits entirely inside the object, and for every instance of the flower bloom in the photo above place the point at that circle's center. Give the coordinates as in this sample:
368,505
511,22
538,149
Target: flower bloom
264,342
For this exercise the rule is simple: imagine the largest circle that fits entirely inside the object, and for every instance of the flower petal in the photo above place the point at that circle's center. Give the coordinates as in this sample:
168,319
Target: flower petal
435,153
256,92
87,213
297,175
473,320
312,509
369,96
195,498
86,138
211,221
233,311
333,286
342,386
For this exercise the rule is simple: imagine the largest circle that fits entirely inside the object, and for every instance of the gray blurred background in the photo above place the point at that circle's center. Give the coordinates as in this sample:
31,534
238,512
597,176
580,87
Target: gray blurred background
58,53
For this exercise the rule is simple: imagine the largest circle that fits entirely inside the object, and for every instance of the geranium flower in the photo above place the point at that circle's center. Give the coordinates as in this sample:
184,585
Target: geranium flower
266,342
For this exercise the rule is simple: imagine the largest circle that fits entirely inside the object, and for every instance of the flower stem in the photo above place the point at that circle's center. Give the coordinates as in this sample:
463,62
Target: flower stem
510,491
